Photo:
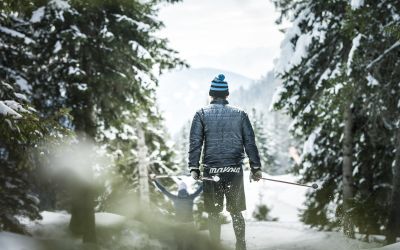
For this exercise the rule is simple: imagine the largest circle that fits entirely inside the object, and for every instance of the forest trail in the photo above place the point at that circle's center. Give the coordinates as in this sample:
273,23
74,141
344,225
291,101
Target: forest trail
290,236
117,233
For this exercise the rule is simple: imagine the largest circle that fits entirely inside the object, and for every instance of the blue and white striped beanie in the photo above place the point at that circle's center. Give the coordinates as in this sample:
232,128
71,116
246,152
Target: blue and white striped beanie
219,88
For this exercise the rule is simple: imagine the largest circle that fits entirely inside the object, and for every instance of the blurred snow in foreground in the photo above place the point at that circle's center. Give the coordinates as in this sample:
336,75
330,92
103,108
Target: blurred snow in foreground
284,200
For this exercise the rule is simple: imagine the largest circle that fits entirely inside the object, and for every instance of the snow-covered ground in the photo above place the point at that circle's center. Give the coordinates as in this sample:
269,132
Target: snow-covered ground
288,232
51,233
284,200
291,236
117,232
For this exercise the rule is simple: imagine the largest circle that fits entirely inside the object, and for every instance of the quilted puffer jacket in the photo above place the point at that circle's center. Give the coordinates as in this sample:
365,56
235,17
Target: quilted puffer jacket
225,132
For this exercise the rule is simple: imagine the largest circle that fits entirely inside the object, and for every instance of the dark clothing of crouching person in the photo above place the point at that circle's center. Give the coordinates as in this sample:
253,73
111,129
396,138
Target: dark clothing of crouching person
224,132
183,204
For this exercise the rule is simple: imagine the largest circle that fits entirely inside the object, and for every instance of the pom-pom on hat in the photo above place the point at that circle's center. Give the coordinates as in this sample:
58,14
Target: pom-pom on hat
219,87
182,186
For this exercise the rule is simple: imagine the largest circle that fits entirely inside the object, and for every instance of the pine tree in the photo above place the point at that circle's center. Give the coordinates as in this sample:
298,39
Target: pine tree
268,161
20,129
95,59
182,147
329,76
21,126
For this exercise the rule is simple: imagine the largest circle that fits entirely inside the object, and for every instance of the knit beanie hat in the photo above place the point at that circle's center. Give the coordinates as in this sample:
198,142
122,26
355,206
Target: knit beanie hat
182,186
219,88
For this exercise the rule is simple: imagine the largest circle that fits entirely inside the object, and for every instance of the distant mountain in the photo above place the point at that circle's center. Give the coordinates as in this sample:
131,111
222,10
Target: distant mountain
181,93
258,95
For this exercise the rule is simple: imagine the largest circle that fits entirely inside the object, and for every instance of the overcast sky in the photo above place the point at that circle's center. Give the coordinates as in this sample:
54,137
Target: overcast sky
234,35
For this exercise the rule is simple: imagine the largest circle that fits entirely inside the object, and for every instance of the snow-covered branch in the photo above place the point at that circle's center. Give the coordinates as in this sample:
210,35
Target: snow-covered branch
395,45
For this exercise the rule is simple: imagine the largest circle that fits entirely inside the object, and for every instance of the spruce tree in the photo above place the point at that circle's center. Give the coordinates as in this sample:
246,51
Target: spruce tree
21,126
330,87
95,59
268,160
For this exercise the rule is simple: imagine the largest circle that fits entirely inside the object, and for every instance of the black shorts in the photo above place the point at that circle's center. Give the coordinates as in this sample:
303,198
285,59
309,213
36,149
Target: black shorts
230,185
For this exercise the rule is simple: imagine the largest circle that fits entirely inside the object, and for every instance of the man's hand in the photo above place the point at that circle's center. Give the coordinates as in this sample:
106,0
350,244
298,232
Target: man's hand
152,177
255,174
195,173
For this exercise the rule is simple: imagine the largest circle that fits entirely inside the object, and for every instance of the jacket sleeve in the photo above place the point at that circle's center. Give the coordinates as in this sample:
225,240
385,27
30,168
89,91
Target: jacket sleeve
164,191
197,193
250,143
195,142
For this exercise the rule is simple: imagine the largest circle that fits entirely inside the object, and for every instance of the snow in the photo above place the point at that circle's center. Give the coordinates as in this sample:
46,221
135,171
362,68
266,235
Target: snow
140,25
37,15
146,80
21,96
78,32
308,147
106,34
395,45
140,50
15,106
292,55
284,200
283,64
288,232
12,241
356,4
372,81
356,43
75,71
57,47
323,77
15,33
23,84
290,236
51,232
118,232
60,4
301,49
6,110
389,247
81,86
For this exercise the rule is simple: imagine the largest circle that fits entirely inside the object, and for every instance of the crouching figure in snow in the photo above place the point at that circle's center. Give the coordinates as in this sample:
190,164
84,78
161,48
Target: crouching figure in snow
183,204
225,132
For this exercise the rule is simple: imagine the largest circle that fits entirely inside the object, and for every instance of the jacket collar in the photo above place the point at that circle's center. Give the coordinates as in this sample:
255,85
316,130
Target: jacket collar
219,101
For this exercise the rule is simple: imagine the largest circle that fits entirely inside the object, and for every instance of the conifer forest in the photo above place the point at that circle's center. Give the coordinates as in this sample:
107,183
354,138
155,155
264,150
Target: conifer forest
97,99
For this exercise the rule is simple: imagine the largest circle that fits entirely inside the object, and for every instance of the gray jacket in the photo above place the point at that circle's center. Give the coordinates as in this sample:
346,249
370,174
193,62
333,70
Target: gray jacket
225,132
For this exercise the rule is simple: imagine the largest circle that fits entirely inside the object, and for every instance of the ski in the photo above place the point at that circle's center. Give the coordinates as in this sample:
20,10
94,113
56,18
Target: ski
314,186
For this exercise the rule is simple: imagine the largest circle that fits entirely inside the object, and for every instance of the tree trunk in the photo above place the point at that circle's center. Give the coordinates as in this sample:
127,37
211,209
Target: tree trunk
347,170
82,221
143,171
393,227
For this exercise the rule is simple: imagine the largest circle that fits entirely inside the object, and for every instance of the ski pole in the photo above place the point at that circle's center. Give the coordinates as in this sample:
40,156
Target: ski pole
212,178
201,178
315,186
154,176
